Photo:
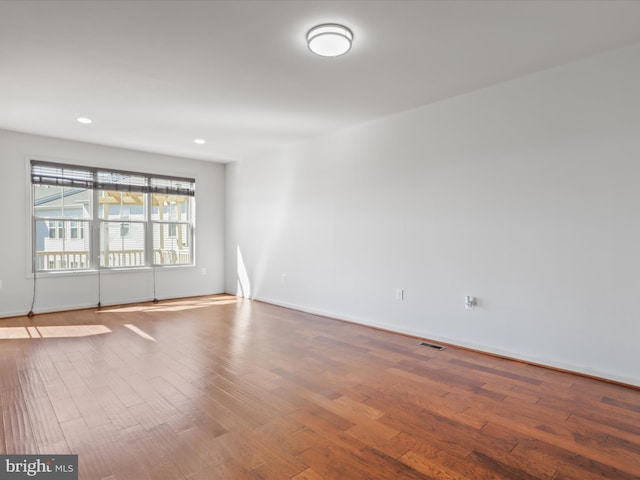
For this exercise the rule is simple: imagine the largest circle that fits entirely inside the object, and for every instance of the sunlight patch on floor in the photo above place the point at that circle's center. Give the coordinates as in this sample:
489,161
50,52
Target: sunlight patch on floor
57,331
139,332
173,306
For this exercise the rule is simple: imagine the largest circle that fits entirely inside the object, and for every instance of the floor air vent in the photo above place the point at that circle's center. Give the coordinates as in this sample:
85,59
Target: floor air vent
431,345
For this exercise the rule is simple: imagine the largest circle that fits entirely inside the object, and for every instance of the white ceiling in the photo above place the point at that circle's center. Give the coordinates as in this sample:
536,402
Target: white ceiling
155,75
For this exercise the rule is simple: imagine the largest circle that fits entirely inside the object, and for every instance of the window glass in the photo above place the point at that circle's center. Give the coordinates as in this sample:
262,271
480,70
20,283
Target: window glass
118,251
172,244
64,202
175,208
61,245
113,205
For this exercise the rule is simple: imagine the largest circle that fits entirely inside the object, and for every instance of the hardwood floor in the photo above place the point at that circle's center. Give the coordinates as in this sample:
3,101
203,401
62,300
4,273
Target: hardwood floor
220,388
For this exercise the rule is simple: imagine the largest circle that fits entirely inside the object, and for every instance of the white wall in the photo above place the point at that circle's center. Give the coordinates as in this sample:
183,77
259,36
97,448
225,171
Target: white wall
524,195
67,291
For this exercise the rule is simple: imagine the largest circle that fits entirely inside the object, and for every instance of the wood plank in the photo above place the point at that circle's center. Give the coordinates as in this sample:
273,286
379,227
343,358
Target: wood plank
18,433
246,390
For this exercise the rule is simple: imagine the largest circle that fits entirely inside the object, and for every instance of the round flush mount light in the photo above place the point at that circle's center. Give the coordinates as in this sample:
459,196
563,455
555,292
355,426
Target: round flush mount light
84,120
199,141
329,40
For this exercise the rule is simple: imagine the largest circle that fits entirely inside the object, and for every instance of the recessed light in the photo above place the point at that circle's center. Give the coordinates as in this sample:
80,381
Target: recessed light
84,120
199,141
329,40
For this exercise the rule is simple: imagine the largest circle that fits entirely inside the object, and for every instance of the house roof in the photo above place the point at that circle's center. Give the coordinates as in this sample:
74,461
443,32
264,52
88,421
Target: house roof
54,197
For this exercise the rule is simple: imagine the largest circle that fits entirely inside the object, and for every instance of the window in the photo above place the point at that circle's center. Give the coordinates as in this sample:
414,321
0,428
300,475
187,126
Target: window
60,214
56,229
96,218
123,244
172,220
77,230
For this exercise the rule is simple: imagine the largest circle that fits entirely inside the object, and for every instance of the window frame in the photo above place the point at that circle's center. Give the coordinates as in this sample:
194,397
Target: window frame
89,228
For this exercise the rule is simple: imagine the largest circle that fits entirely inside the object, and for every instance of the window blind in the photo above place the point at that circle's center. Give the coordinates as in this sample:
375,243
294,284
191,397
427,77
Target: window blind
63,175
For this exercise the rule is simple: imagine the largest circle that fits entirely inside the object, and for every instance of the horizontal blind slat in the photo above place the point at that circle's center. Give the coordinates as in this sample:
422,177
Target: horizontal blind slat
62,175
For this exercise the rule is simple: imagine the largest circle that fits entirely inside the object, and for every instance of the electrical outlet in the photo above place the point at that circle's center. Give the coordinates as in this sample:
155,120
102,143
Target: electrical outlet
284,278
203,271
469,302
399,294
0,283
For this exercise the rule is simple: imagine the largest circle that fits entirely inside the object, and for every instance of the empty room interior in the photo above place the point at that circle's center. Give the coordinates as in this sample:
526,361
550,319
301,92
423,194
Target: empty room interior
320,239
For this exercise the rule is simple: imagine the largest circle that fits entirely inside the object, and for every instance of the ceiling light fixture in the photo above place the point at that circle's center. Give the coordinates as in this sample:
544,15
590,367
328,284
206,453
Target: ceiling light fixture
84,120
329,40
199,141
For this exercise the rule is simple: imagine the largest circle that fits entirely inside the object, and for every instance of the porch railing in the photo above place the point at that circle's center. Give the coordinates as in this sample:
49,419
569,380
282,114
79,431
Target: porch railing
62,260
120,258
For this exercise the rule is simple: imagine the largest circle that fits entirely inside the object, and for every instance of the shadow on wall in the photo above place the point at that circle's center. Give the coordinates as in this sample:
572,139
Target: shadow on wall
244,285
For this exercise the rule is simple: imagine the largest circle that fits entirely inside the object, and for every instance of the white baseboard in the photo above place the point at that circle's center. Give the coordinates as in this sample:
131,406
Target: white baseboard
544,362
105,303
